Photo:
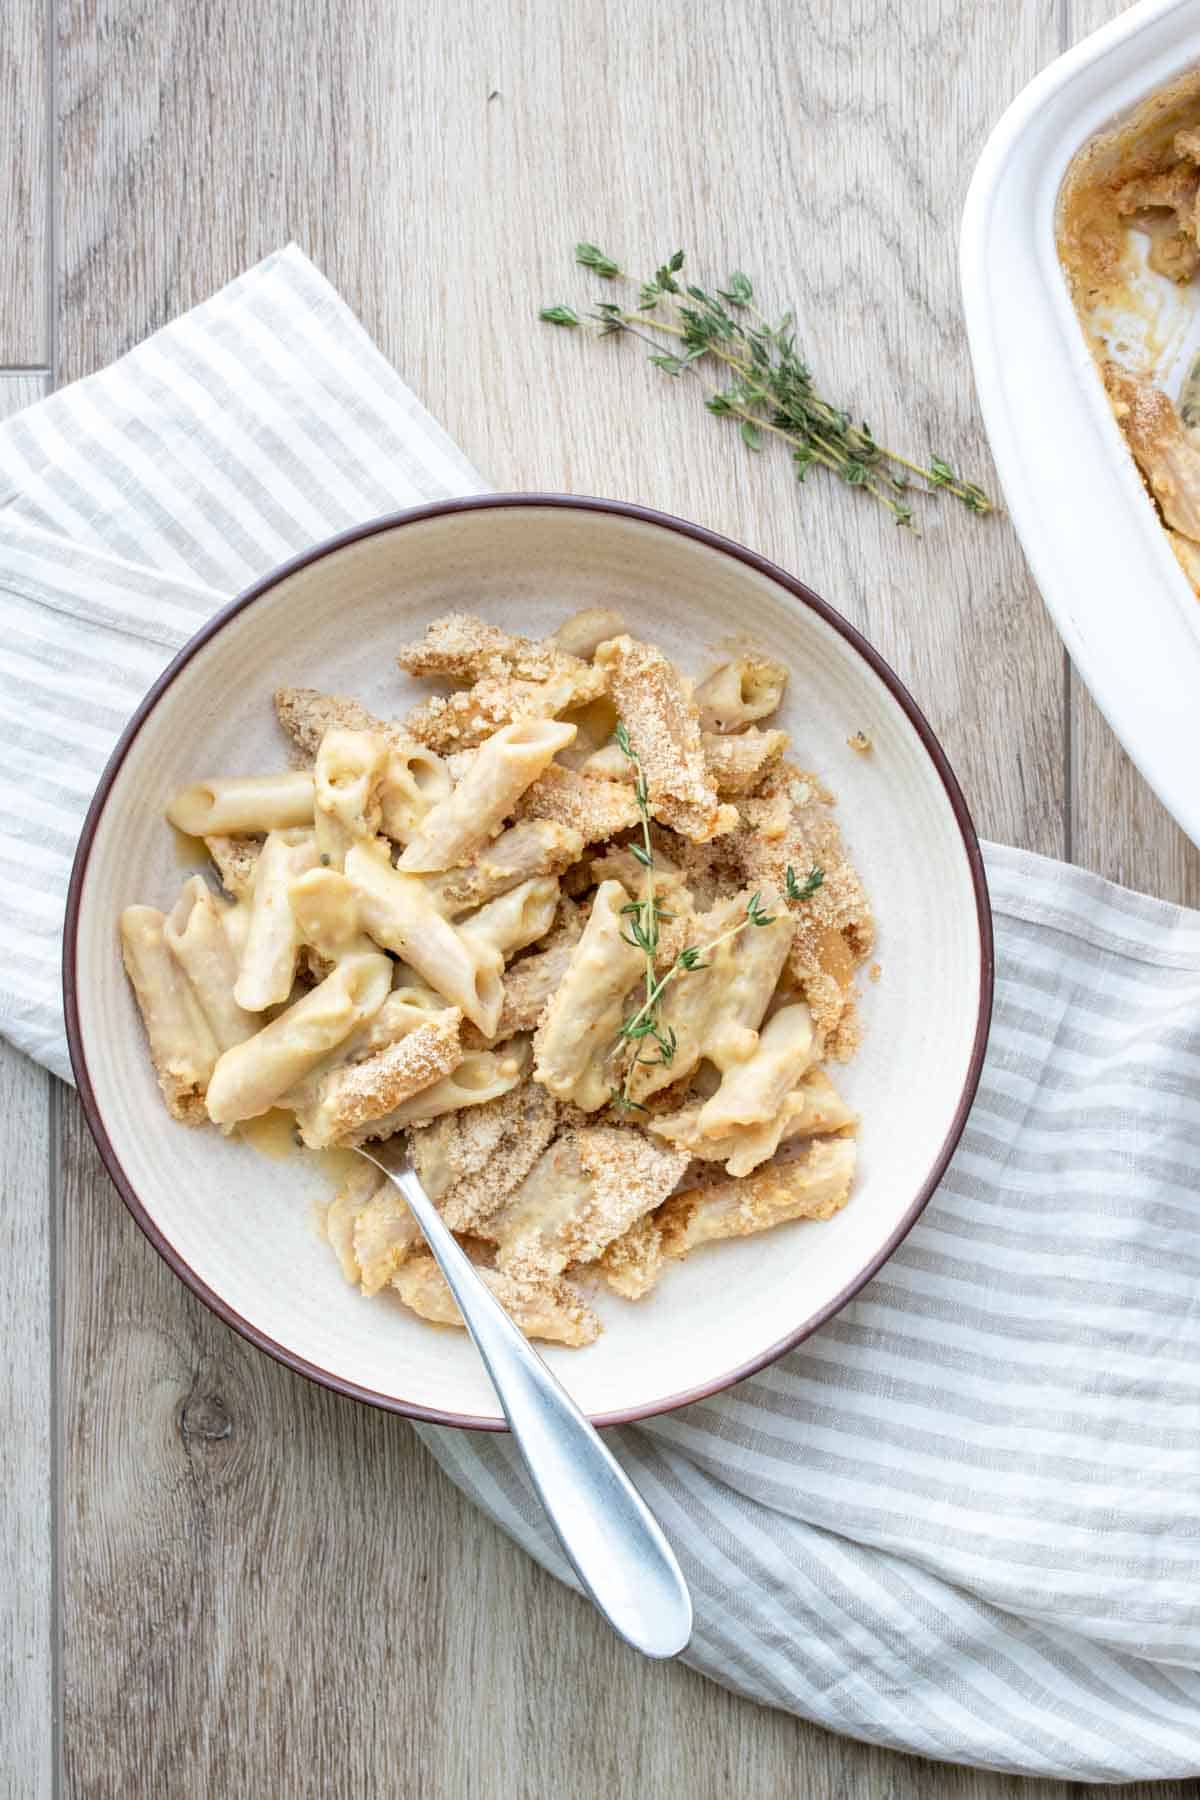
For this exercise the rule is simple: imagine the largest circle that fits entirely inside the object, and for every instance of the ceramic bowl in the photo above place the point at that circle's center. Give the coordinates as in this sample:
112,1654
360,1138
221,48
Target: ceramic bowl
240,1228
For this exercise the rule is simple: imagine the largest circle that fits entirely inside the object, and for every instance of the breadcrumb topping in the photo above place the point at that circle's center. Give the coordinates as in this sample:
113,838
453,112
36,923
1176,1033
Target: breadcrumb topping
791,822
595,809
471,1161
306,714
663,723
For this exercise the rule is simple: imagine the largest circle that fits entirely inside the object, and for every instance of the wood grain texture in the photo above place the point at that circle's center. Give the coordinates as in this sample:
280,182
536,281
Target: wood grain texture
266,1590
24,192
1118,826
26,1409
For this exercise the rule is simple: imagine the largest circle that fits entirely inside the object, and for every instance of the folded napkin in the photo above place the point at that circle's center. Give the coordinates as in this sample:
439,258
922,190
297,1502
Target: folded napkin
963,1519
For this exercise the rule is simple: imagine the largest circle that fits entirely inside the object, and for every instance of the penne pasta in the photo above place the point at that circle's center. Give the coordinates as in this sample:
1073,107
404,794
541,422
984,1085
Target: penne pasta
740,692
738,763
267,966
535,847
252,1076
664,729
182,1046
351,1100
397,911
515,919
442,928
482,1075
753,1090
235,804
470,1162
584,1015
325,909
814,1187
195,933
583,1192
415,779
555,1312
346,791
508,763
464,720
813,1109
584,632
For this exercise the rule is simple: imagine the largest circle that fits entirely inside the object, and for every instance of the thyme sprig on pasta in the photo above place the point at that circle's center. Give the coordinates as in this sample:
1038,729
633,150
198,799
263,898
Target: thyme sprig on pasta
644,917
769,388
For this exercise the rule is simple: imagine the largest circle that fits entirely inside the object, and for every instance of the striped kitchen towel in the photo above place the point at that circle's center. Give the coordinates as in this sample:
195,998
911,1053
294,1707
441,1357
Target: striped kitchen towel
964,1518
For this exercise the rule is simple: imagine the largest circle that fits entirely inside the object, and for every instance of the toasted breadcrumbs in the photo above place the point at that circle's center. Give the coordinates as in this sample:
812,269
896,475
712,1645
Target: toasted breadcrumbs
595,809
350,1099
464,649
791,822
471,1161
664,728
552,1311
860,742
462,721
306,714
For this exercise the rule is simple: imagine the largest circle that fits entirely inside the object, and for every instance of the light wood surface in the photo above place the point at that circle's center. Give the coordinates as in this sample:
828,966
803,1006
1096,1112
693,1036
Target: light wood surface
255,1588
24,185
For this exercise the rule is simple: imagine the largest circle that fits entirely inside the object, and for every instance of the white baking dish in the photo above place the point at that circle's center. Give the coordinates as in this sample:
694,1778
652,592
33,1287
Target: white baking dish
1100,556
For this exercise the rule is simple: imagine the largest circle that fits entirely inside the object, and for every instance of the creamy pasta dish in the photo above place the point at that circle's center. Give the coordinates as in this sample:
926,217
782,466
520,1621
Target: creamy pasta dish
575,925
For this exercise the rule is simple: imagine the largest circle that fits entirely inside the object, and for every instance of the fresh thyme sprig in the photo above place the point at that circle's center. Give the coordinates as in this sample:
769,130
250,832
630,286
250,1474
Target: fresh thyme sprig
644,916
770,389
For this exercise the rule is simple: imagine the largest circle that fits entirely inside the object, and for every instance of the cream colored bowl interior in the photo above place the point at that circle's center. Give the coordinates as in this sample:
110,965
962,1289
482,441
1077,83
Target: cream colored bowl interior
244,1224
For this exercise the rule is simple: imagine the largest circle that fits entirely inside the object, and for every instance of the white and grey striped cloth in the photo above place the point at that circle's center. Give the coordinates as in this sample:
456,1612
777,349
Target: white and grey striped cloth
963,1519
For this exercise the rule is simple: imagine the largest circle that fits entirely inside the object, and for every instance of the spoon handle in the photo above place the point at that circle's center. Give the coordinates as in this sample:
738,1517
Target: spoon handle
610,1538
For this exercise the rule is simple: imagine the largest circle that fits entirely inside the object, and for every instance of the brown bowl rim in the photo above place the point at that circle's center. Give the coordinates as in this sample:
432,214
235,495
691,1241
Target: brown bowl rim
414,515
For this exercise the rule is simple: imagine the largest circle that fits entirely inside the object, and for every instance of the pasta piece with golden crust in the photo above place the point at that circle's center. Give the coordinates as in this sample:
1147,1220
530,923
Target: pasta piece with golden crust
633,1262
664,729
481,1076
182,1047
791,822
737,763
554,1312
470,1162
352,1098
462,649
813,1109
463,720
535,847
306,714
747,688
583,1192
595,809
814,1186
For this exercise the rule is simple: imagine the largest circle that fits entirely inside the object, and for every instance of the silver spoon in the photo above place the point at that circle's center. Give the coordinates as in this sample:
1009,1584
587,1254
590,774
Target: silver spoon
608,1533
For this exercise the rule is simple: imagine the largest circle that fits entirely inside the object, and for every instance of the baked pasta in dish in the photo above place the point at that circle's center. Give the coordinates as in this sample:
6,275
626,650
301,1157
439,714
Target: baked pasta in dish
576,926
